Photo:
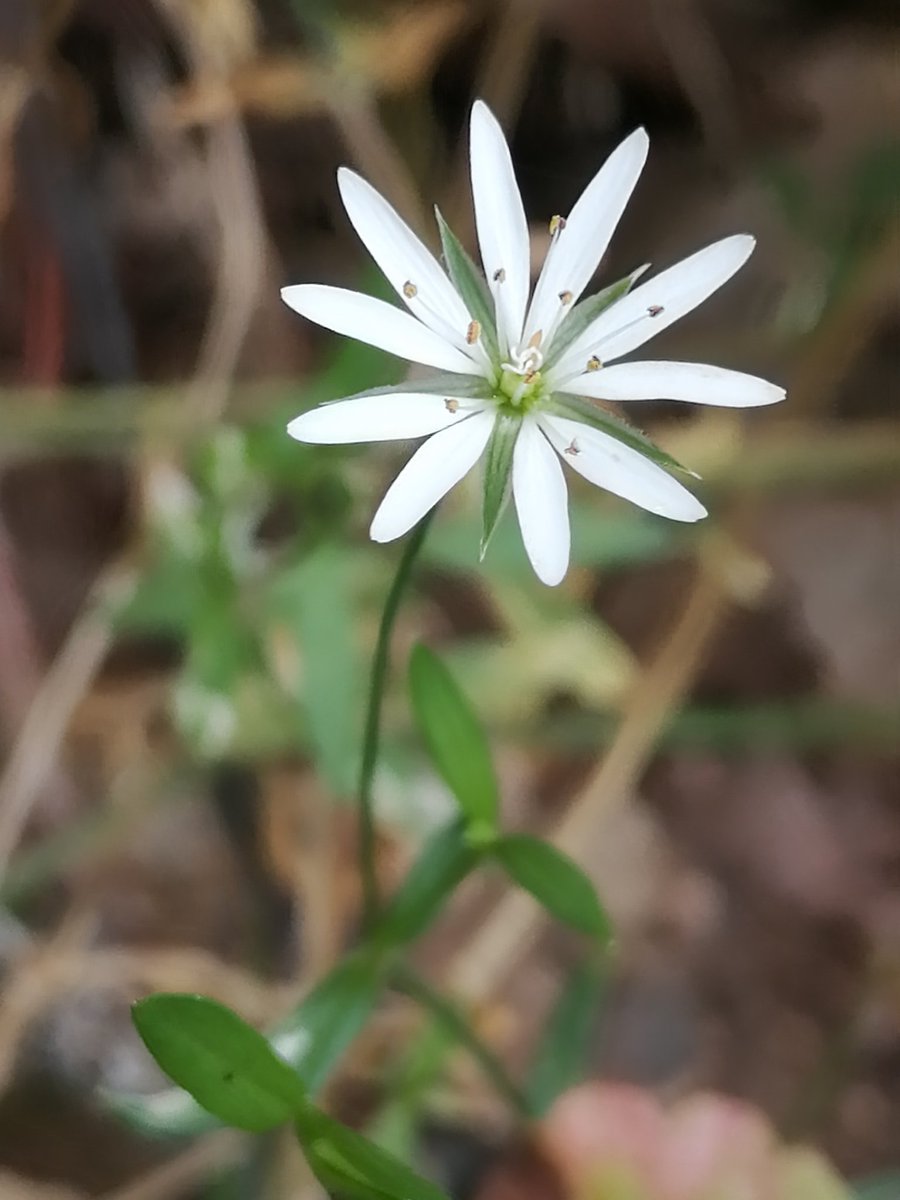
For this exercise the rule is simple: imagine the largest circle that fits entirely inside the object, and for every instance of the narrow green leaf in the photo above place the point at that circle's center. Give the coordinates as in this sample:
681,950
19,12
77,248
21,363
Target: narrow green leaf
578,408
588,310
314,599
314,1038
470,284
497,473
455,739
554,880
351,1166
444,862
560,1062
227,1066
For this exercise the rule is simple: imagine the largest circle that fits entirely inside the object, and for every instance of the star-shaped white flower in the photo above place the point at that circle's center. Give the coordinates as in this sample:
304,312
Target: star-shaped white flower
520,377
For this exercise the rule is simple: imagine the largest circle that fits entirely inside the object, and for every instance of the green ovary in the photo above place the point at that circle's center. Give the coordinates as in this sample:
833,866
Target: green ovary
518,394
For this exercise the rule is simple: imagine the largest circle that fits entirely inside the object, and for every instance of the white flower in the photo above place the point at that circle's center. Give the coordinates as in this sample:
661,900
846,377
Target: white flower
520,377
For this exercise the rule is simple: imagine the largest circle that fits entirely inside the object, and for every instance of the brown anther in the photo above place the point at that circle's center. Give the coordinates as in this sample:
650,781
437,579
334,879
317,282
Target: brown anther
451,405
572,448
529,376
535,339
654,310
594,363
566,298
473,332
410,289
557,225
499,275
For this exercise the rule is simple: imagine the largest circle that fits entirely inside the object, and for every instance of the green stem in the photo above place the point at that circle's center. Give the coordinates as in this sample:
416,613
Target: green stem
372,734
408,982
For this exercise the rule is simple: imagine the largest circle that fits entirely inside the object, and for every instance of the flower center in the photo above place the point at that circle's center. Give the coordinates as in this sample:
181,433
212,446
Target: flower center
518,391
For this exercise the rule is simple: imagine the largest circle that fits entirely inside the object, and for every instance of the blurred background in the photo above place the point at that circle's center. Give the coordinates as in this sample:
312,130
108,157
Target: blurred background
707,718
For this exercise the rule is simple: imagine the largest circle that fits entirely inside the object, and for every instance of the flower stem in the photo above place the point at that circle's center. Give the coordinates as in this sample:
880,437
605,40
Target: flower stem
409,983
372,733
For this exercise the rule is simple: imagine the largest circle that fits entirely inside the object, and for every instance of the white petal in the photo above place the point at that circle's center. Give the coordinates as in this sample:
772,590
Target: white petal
375,322
433,470
609,464
655,305
500,221
539,491
695,382
579,246
409,266
379,418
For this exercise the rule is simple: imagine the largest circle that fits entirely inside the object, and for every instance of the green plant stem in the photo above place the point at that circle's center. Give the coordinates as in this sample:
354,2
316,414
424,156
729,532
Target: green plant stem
409,983
372,733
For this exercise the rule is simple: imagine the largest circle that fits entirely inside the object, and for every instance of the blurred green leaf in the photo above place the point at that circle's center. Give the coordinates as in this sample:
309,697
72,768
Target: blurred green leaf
562,1055
884,1186
555,882
455,740
314,1038
314,599
445,860
601,537
351,1166
227,1066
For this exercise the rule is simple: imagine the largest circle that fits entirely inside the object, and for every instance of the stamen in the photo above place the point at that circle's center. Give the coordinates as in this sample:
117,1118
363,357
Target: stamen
410,289
451,405
654,310
572,448
535,340
557,225
593,363
499,275
566,298
473,332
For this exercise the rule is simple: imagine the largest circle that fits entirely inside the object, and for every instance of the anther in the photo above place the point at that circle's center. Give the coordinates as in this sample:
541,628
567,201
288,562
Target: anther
451,405
566,298
473,332
410,289
499,275
572,448
654,310
593,363
557,225
535,339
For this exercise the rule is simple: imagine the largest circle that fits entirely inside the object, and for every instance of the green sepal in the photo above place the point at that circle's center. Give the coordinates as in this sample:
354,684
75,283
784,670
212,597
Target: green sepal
555,881
587,311
497,474
350,1166
462,387
226,1065
470,284
579,408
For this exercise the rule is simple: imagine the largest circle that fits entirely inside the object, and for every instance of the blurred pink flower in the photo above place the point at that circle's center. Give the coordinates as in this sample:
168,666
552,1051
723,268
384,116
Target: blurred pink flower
617,1142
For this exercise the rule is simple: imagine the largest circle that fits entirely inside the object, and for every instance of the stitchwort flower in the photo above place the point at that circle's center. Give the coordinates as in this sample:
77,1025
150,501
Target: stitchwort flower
521,372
